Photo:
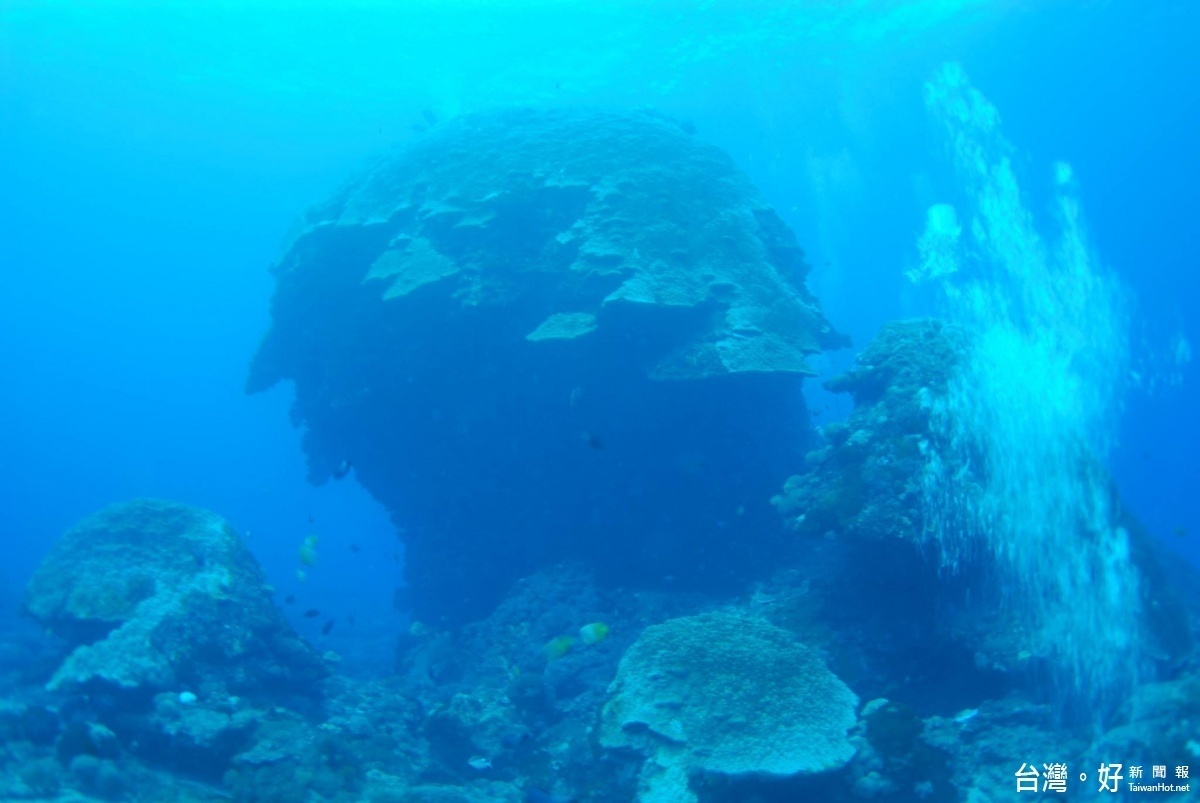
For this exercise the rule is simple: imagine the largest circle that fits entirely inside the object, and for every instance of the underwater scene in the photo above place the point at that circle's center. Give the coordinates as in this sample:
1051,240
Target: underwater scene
609,401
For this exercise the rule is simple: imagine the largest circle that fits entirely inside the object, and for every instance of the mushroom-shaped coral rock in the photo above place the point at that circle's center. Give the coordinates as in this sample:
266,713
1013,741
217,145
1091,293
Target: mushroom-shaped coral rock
531,317
725,693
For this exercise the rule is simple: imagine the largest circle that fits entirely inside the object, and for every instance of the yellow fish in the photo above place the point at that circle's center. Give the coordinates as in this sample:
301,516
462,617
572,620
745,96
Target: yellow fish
308,551
596,631
558,647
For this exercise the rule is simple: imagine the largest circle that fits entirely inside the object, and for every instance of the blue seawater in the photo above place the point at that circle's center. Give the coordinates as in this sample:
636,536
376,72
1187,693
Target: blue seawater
563,400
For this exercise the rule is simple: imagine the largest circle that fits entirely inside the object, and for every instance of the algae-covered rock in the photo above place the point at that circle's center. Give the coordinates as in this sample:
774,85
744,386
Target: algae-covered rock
725,693
153,595
532,317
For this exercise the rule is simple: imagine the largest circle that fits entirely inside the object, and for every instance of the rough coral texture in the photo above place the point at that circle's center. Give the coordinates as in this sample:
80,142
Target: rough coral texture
870,487
150,595
471,314
730,694
866,482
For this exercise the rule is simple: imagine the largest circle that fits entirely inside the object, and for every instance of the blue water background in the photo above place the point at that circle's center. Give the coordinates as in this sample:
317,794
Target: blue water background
153,156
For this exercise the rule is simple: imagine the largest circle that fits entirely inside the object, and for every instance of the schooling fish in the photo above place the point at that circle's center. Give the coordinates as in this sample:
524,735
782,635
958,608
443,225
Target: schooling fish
342,469
311,613
290,599
328,626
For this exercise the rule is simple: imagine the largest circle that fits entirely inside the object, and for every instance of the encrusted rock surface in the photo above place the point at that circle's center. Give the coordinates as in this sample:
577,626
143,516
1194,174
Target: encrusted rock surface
872,488
725,693
155,596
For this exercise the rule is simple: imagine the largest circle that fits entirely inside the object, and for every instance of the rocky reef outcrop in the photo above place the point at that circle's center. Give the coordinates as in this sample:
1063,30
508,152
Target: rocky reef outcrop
677,697
534,317
893,485
151,596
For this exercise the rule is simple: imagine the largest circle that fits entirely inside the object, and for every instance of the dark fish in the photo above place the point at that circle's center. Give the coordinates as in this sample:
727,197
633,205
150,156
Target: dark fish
342,469
687,127
591,440
533,795
430,116
1180,532
326,628
354,548
311,613
351,619
515,739
290,599
310,518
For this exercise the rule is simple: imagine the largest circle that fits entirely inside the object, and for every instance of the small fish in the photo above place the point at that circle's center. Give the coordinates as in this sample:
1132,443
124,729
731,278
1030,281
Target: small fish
592,440
290,599
596,631
327,627
1180,532
351,619
311,613
342,469
355,548
308,551
311,518
515,739
966,715
479,763
430,116
558,647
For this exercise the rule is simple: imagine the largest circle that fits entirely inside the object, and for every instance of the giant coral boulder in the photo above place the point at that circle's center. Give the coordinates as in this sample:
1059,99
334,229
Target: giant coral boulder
729,694
550,335
152,595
